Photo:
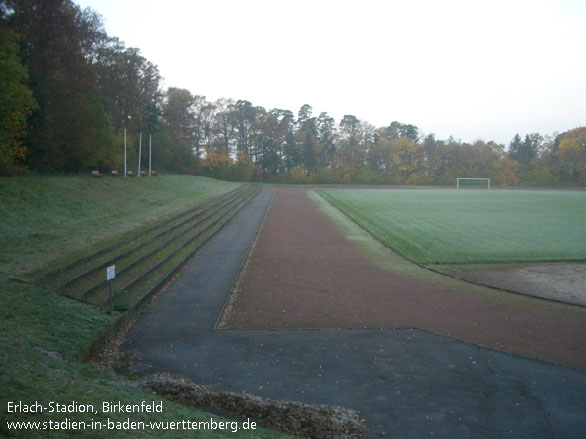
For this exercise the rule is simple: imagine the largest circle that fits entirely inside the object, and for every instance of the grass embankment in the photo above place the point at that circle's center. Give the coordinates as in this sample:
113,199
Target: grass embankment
448,226
44,336
47,218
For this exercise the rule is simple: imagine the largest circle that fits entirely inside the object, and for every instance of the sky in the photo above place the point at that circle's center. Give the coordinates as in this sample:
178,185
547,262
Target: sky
471,69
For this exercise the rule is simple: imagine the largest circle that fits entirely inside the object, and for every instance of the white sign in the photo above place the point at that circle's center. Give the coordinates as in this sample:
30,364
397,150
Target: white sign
111,272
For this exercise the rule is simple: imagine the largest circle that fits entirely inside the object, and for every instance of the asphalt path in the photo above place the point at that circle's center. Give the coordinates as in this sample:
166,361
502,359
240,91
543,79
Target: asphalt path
406,383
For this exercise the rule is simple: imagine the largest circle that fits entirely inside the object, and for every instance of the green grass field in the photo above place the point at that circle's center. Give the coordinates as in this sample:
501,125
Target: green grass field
449,226
44,336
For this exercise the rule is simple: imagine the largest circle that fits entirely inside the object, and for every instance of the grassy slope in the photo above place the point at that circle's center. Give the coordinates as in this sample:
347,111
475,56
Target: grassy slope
43,218
43,335
439,226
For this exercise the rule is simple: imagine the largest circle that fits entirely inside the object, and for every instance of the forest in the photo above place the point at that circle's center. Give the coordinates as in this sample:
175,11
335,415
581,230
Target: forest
69,93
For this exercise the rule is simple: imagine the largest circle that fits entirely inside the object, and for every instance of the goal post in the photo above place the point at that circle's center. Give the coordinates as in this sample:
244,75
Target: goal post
468,182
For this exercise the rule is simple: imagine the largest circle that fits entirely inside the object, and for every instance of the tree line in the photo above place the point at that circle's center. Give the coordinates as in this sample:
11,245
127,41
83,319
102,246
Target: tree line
69,92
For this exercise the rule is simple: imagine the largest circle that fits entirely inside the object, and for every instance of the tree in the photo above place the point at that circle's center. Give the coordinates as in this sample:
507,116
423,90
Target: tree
225,125
367,135
326,135
396,130
245,115
286,150
309,148
304,114
307,138
297,175
538,144
349,137
64,86
151,96
89,87
403,153
202,129
433,157
528,151
349,130
395,160
16,102
179,126
571,154
216,165
503,173
178,113
524,152
132,86
291,153
267,141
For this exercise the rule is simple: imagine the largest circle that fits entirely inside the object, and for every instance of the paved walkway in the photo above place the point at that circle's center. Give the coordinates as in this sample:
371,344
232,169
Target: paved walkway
406,382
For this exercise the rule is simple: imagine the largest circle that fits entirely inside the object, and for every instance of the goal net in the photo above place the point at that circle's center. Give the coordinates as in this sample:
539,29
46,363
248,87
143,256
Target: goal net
472,183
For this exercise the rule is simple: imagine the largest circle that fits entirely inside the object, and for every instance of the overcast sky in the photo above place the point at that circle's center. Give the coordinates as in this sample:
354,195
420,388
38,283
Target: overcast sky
471,69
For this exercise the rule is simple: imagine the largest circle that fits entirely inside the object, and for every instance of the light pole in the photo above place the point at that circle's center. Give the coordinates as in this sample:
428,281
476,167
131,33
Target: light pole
139,152
149,155
124,152
125,173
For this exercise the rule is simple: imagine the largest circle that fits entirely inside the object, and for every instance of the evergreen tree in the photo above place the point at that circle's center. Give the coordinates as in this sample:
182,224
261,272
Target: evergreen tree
524,152
326,136
515,147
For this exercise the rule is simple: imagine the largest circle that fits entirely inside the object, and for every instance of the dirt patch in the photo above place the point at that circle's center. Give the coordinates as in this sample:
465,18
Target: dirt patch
563,282
304,274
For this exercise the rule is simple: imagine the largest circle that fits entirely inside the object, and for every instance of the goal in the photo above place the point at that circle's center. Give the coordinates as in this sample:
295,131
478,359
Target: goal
472,183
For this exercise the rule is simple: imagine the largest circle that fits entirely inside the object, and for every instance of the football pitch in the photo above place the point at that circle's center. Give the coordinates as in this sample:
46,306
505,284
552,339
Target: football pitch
434,226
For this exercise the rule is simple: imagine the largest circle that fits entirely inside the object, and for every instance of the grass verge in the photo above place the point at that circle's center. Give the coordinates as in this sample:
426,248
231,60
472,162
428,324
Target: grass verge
42,338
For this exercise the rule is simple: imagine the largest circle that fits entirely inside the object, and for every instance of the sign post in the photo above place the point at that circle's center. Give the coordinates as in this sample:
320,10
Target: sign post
110,274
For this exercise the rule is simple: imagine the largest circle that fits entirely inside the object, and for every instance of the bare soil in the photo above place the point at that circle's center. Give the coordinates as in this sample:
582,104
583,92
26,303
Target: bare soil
303,273
560,281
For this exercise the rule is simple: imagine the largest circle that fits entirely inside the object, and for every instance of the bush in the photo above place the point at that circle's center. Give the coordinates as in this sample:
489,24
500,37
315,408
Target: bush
326,176
297,175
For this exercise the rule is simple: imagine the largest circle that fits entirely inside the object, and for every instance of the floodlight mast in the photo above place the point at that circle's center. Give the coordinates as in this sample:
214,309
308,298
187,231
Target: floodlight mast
471,178
139,151
125,153
149,155
125,173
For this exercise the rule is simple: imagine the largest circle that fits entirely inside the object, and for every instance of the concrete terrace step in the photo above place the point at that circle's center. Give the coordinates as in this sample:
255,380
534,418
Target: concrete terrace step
145,259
